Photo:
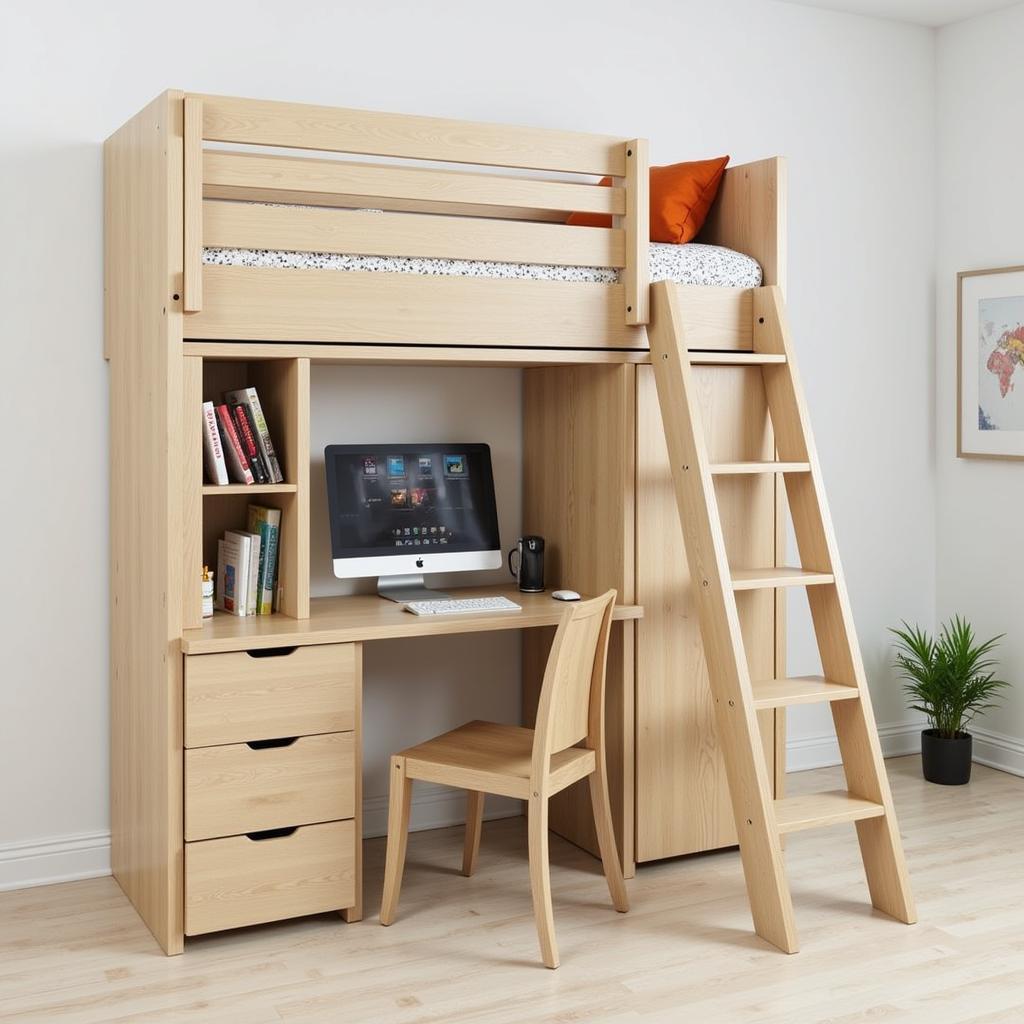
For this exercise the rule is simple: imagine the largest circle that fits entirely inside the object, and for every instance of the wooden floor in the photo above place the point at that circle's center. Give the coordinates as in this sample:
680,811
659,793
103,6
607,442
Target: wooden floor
465,950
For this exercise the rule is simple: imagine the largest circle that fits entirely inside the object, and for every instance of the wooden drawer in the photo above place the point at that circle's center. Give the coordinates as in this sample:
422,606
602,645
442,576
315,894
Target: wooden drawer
240,881
243,696
239,788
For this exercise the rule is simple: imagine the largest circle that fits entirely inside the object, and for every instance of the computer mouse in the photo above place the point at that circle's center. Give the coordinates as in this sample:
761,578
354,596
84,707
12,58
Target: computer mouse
565,595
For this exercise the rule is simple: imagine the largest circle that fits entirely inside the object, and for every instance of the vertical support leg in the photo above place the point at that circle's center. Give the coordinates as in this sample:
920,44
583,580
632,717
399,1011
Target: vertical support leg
606,837
540,879
474,825
400,802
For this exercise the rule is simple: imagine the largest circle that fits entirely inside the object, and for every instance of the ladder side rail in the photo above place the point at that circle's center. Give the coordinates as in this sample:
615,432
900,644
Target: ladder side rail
738,733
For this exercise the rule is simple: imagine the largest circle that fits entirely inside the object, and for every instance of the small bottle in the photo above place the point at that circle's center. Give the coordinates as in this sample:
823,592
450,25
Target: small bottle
207,592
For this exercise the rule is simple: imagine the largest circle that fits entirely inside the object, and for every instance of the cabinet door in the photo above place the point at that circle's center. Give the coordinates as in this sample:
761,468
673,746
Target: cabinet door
682,799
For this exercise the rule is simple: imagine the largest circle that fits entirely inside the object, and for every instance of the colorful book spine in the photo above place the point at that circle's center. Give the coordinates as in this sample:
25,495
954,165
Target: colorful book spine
247,436
213,450
235,456
266,522
229,577
249,398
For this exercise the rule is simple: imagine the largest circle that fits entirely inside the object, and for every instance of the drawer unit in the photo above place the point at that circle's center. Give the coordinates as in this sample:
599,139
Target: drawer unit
249,787
247,880
243,696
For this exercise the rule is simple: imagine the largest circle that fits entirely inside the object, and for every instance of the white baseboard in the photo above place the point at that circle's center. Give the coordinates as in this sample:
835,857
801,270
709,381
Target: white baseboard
998,751
822,751
59,859
87,855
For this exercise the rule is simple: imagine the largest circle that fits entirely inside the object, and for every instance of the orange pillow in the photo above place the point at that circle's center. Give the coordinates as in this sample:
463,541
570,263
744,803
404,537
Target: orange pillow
681,195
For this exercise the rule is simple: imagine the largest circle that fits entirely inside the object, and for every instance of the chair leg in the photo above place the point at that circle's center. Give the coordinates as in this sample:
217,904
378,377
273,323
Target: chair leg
606,838
474,824
540,880
399,803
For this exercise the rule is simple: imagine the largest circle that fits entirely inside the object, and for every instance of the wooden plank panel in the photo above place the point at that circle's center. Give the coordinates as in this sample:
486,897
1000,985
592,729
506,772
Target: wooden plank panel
715,318
192,287
636,224
251,226
683,803
341,130
232,174
143,243
192,490
250,304
819,810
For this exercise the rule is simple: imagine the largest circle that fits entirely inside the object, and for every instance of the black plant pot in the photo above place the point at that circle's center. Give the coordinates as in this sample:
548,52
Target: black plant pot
945,760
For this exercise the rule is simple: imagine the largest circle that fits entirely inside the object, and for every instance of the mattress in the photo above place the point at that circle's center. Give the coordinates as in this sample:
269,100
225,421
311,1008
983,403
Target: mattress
693,263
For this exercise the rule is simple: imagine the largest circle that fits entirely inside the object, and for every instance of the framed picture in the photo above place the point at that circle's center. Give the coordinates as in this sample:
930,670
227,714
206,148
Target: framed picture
990,364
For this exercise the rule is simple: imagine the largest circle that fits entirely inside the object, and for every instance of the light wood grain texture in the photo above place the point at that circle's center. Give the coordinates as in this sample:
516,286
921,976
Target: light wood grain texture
683,801
249,176
360,617
251,226
579,427
236,788
192,491
777,693
531,764
880,843
250,489
749,781
273,304
818,810
637,229
733,468
698,358
143,252
419,355
235,698
240,881
77,953
192,288
377,133
749,215
354,912
715,318
474,828
778,576
284,393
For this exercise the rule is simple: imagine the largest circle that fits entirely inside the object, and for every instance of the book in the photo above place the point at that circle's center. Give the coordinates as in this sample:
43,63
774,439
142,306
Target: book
213,450
231,579
242,563
235,457
249,398
267,523
247,437
252,566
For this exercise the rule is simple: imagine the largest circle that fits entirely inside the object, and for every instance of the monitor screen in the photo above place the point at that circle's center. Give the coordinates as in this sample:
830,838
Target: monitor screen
411,499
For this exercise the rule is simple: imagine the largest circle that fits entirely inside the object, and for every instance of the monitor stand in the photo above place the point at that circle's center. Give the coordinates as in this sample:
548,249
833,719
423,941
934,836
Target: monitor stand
403,589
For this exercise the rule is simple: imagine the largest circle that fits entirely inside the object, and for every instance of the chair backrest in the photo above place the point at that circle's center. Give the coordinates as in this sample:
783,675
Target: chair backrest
571,706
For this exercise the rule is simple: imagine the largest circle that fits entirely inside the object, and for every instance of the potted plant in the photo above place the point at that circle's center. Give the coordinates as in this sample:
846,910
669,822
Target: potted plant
950,679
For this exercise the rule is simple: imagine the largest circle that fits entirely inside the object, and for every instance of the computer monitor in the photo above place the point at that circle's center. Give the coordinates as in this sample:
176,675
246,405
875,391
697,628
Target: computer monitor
398,511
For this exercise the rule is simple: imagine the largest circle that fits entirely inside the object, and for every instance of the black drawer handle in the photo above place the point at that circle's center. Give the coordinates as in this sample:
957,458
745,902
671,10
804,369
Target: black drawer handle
271,652
284,741
271,833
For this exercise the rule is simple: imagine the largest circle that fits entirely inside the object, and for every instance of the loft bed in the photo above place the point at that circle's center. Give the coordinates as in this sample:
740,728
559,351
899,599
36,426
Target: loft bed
229,261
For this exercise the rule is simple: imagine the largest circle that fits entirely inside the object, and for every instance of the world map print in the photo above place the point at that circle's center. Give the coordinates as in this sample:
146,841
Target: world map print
1001,353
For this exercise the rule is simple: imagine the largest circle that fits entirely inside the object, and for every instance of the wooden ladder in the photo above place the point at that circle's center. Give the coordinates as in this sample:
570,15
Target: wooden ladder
760,819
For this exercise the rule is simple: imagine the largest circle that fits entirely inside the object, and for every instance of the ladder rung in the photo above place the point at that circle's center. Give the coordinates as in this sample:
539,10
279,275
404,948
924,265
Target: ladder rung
771,578
736,358
818,810
778,693
731,468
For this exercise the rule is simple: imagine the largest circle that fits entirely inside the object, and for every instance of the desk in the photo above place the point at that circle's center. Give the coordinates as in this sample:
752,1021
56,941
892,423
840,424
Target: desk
273,751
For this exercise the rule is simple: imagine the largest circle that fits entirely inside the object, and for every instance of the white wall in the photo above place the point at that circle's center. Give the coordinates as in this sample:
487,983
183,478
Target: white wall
980,217
847,99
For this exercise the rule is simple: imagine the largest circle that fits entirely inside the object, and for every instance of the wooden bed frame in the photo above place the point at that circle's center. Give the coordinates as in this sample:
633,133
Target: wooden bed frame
595,473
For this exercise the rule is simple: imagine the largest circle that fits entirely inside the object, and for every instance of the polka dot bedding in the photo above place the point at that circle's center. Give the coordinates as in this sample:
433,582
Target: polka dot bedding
693,263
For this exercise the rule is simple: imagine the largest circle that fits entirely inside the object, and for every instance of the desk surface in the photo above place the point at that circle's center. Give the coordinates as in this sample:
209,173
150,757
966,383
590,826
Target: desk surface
368,617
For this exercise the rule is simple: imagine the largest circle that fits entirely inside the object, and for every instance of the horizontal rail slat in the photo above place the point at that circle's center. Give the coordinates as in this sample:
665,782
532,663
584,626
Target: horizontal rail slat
234,173
340,130
249,226
250,304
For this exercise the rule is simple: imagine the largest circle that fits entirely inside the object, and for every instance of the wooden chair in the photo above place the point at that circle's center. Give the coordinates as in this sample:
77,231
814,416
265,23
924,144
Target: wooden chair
530,764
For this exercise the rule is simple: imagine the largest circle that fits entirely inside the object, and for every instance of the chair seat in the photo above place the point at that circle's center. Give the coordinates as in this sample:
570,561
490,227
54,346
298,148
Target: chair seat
492,758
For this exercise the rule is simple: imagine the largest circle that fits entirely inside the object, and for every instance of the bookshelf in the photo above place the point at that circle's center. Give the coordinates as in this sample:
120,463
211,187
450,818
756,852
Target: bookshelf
210,509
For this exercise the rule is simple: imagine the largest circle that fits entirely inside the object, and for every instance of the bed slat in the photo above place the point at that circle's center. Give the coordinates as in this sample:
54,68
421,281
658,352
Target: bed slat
294,229
255,304
240,172
339,130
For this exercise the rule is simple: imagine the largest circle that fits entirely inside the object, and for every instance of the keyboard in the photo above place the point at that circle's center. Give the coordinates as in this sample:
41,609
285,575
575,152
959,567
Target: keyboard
463,606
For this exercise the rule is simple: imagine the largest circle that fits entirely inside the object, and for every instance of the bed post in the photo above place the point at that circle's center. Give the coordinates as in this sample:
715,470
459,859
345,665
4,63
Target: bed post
636,224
